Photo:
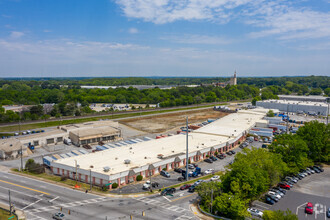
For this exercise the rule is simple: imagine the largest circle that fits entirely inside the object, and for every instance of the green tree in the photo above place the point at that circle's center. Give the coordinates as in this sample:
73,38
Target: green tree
316,135
270,113
327,91
255,99
231,206
279,214
293,150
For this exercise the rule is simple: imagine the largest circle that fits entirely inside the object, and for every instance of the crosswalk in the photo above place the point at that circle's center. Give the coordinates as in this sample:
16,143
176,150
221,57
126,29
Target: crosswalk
66,205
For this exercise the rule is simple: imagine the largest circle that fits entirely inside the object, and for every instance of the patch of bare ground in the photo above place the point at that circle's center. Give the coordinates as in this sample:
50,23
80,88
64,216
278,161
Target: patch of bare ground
171,121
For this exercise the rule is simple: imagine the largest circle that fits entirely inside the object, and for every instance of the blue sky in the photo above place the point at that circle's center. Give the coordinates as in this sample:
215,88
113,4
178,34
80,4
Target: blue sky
164,38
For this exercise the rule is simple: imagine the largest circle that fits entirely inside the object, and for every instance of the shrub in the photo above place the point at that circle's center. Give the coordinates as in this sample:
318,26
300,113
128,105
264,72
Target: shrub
104,188
114,185
207,156
164,169
139,178
216,153
63,178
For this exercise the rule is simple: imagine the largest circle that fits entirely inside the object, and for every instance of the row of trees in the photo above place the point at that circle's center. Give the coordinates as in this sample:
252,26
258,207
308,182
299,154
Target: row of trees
254,171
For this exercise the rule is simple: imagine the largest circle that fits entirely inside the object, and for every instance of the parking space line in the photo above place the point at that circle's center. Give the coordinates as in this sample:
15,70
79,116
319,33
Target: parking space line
167,199
298,207
31,204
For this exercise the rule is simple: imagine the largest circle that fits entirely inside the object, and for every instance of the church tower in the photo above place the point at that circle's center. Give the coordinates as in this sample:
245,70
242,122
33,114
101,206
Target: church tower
235,79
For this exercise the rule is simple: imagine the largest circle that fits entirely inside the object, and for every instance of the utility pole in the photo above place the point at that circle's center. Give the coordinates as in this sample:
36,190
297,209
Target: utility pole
150,181
19,123
90,179
186,148
287,118
211,200
76,172
21,157
9,202
328,114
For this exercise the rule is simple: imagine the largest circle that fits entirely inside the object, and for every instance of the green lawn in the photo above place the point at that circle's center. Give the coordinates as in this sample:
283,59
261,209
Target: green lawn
5,215
13,128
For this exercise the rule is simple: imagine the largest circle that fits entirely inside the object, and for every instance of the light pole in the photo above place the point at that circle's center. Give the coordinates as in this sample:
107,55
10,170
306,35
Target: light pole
90,179
21,158
186,148
9,201
76,171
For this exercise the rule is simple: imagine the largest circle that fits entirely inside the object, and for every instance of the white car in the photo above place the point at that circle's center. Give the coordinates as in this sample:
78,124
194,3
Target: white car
274,194
215,178
58,216
146,185
209,171
255,212
310,170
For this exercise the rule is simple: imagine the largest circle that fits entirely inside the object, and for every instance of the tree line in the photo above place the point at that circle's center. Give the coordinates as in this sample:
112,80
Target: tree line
254,171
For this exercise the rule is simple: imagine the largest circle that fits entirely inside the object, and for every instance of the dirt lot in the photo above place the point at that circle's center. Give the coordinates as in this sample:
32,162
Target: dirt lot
171,122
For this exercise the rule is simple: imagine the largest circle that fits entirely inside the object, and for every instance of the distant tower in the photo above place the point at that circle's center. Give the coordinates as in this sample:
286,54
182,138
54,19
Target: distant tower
235,79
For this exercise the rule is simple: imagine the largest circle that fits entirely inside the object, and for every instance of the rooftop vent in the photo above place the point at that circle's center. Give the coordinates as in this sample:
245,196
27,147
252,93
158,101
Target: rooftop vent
127,161
106,169
91,166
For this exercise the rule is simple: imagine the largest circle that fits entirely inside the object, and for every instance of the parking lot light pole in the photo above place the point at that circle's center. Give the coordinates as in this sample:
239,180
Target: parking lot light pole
187,148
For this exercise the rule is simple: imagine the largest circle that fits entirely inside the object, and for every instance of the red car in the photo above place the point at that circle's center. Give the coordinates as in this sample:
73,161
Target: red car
185,187
284,186
309,208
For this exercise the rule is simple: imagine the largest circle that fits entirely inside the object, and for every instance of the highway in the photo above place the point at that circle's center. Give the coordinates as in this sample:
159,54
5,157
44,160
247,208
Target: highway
40,200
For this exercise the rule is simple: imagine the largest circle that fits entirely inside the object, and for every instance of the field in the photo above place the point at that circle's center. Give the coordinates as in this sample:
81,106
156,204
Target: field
172,121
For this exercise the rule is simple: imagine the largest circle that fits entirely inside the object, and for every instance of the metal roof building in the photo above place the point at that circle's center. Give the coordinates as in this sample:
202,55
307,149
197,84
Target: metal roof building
123,164
310,98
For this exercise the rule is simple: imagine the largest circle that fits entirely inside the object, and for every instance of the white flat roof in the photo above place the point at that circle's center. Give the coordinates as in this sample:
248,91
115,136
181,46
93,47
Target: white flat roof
292,102
143,153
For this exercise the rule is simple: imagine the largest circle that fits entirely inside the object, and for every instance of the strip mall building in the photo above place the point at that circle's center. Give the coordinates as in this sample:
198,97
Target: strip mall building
123,164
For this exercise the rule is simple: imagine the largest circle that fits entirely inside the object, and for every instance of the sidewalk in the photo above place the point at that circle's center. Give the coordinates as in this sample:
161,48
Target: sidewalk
198,214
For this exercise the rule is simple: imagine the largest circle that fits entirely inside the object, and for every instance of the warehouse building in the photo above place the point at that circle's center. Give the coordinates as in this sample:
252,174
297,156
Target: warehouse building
123,164
310,98
11,148
44,139
94,135
319,108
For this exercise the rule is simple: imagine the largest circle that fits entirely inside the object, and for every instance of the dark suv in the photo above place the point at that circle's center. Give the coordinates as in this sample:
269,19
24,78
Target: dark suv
168,191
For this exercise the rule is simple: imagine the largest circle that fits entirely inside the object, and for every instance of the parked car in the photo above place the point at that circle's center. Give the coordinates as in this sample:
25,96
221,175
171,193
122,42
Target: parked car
209,171
178,170
165,174
186,186
315,169
273,198
215,178
58,216
320,168
208,160
274,194
229,153
255,212
310,170
213,158
291,179
198,182
280,189
191,166
328,213
309,208
269,201
277,192
233,152
220,156
284,186
168,191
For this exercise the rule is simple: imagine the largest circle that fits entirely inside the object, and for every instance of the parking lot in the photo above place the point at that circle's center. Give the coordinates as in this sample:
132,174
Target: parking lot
314,188
218,165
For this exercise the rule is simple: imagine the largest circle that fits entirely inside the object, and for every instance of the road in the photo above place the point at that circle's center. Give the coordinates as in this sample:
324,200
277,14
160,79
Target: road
40,200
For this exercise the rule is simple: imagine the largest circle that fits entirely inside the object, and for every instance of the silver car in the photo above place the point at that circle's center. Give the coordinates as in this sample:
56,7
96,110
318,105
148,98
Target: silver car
58,216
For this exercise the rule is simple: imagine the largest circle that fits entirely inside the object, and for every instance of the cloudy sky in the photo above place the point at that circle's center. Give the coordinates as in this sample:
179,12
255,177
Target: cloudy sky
164,37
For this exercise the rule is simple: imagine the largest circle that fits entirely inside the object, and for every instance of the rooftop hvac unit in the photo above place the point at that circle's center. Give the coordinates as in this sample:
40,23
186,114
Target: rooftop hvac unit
106,169
127,161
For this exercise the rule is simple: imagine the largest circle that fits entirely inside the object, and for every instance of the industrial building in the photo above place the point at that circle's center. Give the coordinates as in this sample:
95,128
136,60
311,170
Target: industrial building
44,138
123,163
11,148
310,98
319,108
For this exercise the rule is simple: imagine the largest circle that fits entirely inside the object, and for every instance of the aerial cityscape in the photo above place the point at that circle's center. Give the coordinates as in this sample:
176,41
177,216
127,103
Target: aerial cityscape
140,109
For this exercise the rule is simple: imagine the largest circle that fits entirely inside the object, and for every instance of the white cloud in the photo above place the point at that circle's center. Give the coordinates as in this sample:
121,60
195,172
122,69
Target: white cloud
16,34
279,18
133,31
165,11
197,39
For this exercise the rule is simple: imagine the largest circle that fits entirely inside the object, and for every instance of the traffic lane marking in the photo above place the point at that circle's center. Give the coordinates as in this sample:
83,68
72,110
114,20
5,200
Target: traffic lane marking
299,206
31,204
12,190
24,187
54,199
173,200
